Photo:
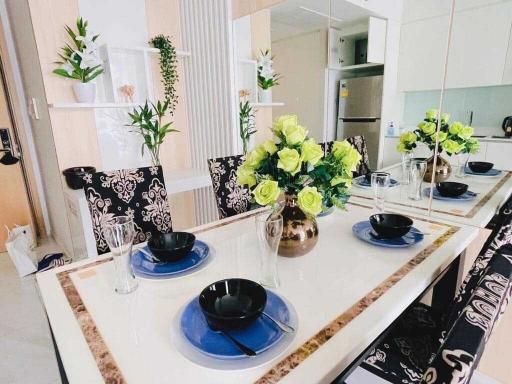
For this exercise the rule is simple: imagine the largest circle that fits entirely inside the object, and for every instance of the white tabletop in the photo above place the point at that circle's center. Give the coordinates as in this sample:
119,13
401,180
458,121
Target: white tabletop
343,288
492,193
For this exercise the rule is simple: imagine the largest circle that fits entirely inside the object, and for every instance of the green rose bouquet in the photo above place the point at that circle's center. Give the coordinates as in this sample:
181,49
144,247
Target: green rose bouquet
454,138
294,164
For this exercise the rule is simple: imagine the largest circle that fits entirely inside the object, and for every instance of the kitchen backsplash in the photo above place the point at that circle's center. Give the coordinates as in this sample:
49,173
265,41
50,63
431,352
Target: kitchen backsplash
489,106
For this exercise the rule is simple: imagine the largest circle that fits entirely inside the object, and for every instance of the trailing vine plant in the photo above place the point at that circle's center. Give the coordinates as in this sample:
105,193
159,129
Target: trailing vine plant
168,69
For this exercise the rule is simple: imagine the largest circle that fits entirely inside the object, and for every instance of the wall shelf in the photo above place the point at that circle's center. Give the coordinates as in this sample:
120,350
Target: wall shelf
266,105
60,105
361,66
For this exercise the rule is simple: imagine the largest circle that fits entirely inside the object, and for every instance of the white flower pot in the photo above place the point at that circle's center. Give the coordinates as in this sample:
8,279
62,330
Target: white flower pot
85,92
265,95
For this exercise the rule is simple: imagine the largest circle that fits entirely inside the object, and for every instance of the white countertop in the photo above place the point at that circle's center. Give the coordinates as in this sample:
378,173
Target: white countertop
486,138
339,274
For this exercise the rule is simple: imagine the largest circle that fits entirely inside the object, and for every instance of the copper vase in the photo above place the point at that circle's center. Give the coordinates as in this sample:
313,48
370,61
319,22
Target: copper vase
300,232
443,169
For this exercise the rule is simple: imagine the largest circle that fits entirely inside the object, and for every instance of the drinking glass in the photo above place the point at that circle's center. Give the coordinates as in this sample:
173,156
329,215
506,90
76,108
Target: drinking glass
418,169
119,234
270,229
406,168
380,185
462,160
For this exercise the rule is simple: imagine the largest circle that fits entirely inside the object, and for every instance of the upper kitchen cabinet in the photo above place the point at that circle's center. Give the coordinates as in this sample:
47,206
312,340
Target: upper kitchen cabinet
479,44
422,49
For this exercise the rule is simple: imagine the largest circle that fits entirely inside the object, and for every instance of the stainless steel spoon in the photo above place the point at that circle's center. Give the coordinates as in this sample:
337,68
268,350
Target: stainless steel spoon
242,347
150,256
282,326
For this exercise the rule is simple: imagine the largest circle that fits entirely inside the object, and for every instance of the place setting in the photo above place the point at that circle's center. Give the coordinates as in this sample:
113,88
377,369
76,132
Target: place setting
169,255
451,191
481,168
365,181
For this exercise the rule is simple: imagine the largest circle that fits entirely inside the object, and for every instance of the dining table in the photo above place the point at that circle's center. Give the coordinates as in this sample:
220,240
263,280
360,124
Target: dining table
343,295
490,192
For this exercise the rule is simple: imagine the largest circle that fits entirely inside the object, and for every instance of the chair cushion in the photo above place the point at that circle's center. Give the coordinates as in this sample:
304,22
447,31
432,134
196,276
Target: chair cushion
407,349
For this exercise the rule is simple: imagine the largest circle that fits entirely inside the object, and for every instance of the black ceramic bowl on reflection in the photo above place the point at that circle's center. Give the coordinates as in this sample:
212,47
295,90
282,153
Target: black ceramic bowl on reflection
451,188
232,303
74,176
480,166
173,246
368,176
390,225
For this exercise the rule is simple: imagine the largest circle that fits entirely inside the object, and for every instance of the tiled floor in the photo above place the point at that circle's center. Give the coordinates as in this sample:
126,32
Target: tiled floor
26,352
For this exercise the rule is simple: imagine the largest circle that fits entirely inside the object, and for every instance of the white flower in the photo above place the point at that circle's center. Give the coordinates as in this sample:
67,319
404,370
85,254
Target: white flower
89,59
87,40
267,73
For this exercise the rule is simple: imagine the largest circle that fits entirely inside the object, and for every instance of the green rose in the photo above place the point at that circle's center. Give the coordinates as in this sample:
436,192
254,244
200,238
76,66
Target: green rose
466,132
427,128
340,148
472,146
445,117
294,134
255,157
431,114
351,159
341,179
266,192
408,138
402,148
441,136
311,151
284,121
289,160
270,146
456,128
310,200
245,176
452,147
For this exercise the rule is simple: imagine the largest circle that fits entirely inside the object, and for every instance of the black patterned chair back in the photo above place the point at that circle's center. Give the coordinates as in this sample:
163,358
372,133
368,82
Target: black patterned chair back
231,198
359,143
464,342
139,193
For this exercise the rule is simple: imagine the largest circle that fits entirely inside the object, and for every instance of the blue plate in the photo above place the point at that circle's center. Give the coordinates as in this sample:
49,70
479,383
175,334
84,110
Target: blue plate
492,172
466,196
259,336
365,232
144,267
362,182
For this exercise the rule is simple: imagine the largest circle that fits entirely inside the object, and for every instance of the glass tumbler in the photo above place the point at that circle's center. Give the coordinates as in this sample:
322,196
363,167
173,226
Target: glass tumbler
119,234
406,168
380,185
462,160
418,169
269,229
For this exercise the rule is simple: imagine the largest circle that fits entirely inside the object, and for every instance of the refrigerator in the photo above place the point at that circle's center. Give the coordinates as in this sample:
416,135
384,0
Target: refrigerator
359,108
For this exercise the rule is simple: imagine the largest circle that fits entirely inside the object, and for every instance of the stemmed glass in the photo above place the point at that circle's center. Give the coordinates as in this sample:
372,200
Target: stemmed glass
380,184
270,229
119,233
418,169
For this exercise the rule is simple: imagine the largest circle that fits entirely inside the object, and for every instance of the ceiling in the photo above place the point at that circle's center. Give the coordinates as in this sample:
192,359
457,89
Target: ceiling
295,17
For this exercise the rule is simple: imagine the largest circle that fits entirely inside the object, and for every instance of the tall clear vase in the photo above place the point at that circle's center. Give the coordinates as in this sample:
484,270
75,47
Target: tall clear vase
462,160
406,168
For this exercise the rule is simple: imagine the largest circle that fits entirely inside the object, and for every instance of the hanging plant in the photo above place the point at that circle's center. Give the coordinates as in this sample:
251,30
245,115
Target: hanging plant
168,69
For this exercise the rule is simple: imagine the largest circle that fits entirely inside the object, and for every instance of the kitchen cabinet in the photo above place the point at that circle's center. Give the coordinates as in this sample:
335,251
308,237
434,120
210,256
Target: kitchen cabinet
507,72
421,57
499,154
478,47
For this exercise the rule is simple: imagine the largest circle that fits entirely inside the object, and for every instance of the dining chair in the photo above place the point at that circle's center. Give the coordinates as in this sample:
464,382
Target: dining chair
139,193
425,346
359,143
231,198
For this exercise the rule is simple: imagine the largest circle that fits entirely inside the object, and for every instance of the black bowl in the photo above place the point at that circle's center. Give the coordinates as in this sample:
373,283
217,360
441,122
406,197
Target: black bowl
390,225
232,303
480,166
451,188
368,176
173,246
74,176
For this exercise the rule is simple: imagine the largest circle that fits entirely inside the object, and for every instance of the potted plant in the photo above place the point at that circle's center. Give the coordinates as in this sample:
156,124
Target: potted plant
168,69
246,117
148,120
80,61
295,165
267,78
454,138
